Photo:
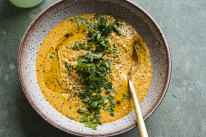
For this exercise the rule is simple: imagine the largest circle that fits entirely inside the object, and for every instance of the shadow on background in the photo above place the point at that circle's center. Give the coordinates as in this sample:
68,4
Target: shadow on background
33,125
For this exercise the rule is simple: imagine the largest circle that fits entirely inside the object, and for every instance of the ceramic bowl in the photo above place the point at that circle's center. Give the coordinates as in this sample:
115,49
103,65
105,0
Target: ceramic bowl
63,9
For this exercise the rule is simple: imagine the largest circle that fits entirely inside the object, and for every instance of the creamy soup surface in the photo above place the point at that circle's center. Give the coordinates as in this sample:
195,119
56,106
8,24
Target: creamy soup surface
61,82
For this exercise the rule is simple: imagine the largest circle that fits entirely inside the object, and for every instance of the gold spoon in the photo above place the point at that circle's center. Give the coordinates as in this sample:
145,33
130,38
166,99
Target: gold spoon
140,120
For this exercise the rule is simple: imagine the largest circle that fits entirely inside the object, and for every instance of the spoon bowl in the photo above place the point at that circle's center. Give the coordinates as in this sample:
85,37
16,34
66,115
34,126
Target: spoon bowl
139,117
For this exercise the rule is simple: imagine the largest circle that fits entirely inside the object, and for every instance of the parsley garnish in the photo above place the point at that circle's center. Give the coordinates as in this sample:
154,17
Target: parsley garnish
127,96
83,112
91,124
69,117
52,55
83,20
114,54
78,46
94,69
110,108
83,30
78,26
83,119
77,19
97,16
115,47
68,67
112,113
82,46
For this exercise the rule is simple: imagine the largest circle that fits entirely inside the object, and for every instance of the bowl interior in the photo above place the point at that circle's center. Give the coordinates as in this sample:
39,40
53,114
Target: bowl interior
125,10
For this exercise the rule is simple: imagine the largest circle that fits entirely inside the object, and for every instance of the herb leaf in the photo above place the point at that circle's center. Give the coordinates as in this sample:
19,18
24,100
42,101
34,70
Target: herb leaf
91,124
83,20
126,96
114,53
78,46
83,119
83,112
115,47
94,69
112,113
52,55
69,117
68,67
97,16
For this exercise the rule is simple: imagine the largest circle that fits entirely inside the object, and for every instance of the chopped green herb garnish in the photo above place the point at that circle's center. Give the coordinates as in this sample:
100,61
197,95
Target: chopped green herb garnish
114,54
97,117
126,96
68,67
91,124
77,19
78,26
110,109
110,51
112,113
108,87
107,108
83,30
91,26
115,47
92,56
83,20
114,91
82,46
83,112
105,101
115,27
94,69
69,117
78,46
52,55
83,119
67,47
97,16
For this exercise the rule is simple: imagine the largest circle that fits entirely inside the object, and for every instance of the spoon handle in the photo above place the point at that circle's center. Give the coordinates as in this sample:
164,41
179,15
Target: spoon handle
140,120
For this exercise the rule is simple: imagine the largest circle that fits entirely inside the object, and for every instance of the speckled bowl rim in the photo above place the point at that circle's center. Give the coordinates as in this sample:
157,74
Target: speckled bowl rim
133,124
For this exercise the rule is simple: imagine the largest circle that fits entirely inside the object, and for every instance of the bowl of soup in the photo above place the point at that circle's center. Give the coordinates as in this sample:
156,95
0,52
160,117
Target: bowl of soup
74,59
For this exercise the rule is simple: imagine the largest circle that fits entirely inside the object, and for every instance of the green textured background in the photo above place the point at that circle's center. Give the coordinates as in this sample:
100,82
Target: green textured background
182,112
